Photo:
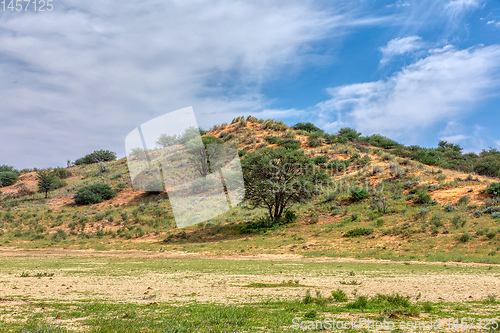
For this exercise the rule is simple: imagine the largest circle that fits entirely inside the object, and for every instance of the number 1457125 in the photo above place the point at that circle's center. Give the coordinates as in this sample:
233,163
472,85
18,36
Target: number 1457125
26,5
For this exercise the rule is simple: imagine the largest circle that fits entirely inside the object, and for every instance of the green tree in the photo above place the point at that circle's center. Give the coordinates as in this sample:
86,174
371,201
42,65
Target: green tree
8,178
308,127
48,181
277,178
198,153
349,133
96,157
167,140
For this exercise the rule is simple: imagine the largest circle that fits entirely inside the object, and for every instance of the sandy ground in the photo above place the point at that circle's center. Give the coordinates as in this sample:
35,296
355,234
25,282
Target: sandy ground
148,287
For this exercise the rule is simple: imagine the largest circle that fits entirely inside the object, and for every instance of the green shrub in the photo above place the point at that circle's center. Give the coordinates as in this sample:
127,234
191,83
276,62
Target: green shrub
360,303
349,134
449,208
290,144
359,193
62,173
422,198
458,221
242,152
289,135
427,306
338,165
96,157
464,200
272,139
8,178
320,159
8,168
289,216
364,161
275,125
436,221
93,194
59,235
308,127
464,238
313,143
378,140
339,296
356,232
494,189
488,165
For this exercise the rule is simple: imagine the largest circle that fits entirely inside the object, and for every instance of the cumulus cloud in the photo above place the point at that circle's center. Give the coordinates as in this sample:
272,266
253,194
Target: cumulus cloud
81,77
441,87
398,46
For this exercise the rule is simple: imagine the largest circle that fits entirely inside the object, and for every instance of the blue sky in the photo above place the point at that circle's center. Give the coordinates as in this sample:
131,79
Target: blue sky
81,77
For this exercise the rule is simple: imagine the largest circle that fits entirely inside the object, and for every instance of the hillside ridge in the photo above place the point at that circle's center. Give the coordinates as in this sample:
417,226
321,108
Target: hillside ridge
423,212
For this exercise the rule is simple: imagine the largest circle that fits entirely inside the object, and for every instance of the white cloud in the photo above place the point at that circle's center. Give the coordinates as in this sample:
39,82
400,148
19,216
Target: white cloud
457,7
399,46
81,77
398,4
437,89
455,138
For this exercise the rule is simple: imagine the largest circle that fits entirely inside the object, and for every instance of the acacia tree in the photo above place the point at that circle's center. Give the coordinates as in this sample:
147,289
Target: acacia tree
277,178
48,181
198,154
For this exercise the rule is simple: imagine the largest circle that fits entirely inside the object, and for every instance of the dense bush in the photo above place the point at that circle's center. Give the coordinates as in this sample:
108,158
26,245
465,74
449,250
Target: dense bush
242,152
349,134
272,139
359,193
8,168
358,232
313,143
96,157
494,189
378,140
308,127
422,198
488,164
8,178
290,144
320,159
94,194
464,238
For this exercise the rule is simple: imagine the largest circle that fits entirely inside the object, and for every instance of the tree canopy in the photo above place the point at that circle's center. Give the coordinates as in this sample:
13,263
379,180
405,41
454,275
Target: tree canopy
277,178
